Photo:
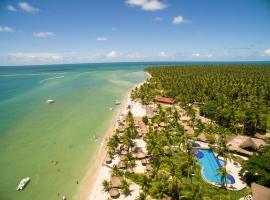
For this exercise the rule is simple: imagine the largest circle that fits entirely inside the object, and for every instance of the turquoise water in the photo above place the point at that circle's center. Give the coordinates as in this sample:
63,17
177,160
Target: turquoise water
210,165
35,136
55,144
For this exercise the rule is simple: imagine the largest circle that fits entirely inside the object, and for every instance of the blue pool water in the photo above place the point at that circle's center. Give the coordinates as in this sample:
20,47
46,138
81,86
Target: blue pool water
210,165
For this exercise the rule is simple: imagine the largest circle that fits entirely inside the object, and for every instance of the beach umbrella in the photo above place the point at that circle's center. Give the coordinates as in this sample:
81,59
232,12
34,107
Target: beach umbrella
116,181
114,193
108,160
144,161
140,155
122,165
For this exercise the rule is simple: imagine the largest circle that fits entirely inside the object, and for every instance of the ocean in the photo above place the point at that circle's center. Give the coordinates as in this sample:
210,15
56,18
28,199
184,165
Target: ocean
55,144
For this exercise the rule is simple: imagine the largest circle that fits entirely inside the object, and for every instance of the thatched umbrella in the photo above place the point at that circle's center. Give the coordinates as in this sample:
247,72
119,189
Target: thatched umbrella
149,168
137,149
124,147
108,160
202,137
122,157
155,125
124,152
122,165
248,143
121,129
162,124
114,193
116,181
144,161
140,155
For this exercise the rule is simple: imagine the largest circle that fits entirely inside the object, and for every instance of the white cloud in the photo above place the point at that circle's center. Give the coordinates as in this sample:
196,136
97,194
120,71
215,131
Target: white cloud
43,34
11,8
112,55
36,57
180,20
198,55
6,29
27,7
135,56
163,54
101,38
149,5
266,52
158,19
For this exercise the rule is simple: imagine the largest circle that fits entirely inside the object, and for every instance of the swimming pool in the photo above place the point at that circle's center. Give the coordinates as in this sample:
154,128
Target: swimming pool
210,165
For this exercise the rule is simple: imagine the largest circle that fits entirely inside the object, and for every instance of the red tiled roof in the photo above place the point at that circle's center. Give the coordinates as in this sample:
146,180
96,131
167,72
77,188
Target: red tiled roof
164,100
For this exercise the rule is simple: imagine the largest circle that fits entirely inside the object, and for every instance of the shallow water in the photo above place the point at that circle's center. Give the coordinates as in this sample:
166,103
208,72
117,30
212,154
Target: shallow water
54,143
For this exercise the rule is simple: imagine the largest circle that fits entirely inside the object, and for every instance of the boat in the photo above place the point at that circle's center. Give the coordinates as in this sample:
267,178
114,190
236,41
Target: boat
23,183
50,101
117,102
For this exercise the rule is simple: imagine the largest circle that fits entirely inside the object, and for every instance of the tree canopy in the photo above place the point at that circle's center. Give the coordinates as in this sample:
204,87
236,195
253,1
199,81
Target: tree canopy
236,96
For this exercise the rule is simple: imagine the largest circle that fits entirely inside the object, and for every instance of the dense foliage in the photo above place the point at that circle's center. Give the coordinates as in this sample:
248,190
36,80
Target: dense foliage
257,168
234,96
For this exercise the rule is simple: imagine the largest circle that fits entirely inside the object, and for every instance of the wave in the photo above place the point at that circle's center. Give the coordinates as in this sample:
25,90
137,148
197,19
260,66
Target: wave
47,79
40,74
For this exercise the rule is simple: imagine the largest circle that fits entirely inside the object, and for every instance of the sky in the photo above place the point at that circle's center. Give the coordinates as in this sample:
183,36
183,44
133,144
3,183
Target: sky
85,31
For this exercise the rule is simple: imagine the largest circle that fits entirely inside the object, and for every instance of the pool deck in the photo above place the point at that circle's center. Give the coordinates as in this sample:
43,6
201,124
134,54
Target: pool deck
233,169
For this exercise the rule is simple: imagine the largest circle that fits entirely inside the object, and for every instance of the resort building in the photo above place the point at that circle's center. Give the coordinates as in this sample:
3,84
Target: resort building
165,100
260,192
150,112
244,145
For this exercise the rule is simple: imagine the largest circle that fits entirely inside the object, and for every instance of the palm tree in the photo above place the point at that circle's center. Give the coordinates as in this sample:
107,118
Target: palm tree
130,161
125,188
116,171
106,185
142,196
223,172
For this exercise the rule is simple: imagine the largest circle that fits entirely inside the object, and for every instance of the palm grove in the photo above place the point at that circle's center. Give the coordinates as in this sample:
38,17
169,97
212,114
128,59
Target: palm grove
236,97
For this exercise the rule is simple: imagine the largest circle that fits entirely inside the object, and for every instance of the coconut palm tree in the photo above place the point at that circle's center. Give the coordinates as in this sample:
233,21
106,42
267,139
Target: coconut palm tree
125,188
223,172
116,171
106,185
142,196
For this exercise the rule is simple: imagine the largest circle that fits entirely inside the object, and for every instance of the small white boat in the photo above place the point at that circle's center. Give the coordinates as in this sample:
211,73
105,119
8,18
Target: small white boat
117,102
23,183
50,101
111,108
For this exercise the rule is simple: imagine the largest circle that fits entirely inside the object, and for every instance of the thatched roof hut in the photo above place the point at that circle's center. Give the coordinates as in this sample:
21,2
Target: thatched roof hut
155,125
122,165
116,181
252,143
144,162
202,137
114,193
240,150
140,155
108,160
149,167
124,147
162,124
260,192
122,157
124,152
137,149
240,143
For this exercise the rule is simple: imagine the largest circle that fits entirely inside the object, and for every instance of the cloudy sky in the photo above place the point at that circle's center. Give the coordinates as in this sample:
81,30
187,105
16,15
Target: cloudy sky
73,31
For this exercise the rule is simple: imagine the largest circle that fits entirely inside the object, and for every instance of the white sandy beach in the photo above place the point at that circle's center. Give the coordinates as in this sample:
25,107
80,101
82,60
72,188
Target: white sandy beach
91,187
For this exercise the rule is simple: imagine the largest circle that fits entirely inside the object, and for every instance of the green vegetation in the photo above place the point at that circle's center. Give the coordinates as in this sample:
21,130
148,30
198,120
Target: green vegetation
234,96
257,168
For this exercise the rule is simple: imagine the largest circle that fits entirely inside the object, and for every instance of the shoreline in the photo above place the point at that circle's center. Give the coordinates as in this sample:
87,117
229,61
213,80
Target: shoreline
90,179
